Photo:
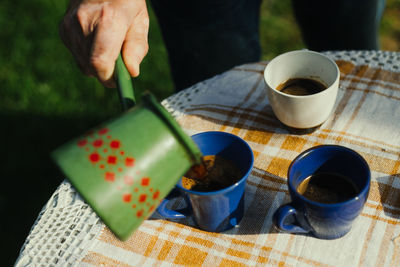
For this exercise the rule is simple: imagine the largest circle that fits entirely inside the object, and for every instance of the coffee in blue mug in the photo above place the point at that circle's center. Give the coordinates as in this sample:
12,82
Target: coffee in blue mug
328,186
219,208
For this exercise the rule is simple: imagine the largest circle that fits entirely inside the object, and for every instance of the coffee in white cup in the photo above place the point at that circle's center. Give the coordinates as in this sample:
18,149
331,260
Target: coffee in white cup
302,87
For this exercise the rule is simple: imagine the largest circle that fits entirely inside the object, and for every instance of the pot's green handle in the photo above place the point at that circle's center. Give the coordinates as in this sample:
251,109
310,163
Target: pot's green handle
124,84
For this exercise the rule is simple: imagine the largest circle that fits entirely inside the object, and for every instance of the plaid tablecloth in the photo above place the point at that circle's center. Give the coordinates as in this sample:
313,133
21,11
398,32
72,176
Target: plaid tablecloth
366,118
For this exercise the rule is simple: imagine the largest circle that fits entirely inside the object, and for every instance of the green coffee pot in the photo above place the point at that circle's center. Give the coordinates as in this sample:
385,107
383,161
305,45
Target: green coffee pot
126,166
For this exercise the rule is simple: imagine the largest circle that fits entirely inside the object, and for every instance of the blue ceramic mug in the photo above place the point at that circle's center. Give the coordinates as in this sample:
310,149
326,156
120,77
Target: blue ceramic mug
215,211
323,219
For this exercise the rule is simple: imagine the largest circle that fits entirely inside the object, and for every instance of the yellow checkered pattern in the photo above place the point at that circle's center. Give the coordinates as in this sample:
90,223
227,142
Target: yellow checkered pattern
366,118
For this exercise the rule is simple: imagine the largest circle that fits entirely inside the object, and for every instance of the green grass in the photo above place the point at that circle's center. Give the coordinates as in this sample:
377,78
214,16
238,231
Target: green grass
38,74
278,30
45,100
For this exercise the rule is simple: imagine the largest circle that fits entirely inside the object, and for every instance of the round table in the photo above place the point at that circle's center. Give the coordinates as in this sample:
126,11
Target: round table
366,118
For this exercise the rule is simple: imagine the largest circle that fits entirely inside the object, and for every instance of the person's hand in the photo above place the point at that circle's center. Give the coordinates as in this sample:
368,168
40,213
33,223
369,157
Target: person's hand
96,31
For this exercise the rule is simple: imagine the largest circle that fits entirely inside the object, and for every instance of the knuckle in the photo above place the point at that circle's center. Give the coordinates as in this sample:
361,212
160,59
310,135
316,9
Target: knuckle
81,15
107,14
98,62
101,67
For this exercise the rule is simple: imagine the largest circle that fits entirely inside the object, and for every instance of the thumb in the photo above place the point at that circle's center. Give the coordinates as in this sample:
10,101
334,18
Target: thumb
135,46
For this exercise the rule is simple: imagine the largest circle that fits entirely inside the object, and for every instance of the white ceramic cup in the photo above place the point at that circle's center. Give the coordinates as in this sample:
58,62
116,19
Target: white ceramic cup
305,111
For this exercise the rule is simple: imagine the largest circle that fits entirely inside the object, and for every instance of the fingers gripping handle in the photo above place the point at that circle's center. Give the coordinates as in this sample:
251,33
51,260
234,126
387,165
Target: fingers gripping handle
124,85
280,217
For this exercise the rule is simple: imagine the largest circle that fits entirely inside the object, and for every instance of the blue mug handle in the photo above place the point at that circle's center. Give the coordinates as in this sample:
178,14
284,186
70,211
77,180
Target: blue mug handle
280,216
172,214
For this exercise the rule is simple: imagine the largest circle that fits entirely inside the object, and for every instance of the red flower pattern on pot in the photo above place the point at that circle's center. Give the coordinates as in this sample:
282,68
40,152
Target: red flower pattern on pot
107,154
